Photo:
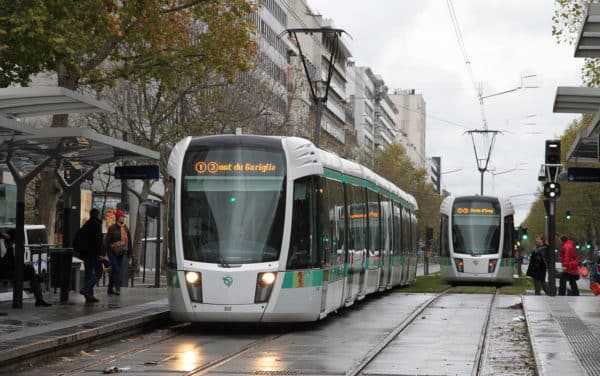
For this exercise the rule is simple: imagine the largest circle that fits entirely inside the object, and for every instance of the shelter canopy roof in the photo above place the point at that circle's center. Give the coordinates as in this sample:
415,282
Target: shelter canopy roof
588,40
581,100
79,147
23,102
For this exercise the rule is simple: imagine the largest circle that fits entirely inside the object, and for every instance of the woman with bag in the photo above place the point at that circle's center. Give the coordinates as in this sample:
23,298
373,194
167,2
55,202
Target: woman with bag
570,265
537,265
117,243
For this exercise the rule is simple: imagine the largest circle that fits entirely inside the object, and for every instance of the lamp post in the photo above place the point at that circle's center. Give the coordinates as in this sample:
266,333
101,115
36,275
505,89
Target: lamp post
318,94
494,173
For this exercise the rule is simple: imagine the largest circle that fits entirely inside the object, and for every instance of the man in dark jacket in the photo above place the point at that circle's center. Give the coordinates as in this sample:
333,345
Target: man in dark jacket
88,242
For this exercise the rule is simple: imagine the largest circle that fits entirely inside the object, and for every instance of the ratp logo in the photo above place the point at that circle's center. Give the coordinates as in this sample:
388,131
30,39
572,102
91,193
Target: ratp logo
228,280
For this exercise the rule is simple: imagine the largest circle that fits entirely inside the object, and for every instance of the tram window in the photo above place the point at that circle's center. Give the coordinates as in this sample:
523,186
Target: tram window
331,218
373,218
397,229
172,256
301,253
357,236
386,221
508,236
444,244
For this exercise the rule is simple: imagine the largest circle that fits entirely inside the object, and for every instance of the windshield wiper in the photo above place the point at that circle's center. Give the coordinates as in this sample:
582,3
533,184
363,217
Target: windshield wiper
223,263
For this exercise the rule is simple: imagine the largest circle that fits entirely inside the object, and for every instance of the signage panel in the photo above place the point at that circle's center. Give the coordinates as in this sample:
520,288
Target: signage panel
583,174
145,172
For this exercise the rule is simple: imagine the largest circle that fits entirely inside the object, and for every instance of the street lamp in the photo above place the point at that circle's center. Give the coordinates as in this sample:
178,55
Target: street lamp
493,172
319,89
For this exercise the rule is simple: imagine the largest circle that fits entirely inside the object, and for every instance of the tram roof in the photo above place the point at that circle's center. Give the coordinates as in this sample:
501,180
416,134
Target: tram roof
302,149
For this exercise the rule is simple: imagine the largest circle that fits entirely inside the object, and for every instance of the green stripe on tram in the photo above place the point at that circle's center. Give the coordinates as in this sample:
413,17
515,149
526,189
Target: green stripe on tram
354,180
507,262
374,187
302,278
173,279
332,174
445,261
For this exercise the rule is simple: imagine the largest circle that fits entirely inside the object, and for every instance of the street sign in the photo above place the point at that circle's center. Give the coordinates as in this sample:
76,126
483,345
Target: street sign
145,172
583,174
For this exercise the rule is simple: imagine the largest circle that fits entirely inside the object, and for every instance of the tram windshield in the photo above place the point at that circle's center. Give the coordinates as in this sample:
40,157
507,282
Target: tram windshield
476,227
232,205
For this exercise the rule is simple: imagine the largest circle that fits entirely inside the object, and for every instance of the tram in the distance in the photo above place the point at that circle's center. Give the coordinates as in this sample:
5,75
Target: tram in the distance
268,229
476,239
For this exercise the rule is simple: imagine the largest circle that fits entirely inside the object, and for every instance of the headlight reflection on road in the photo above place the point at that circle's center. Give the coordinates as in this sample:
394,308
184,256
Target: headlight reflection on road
266,362
188,358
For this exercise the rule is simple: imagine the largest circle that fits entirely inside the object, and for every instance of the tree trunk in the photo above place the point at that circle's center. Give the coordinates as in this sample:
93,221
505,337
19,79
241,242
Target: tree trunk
51,190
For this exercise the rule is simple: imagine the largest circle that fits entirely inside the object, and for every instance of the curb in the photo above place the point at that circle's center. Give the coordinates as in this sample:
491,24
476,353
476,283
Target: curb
58,339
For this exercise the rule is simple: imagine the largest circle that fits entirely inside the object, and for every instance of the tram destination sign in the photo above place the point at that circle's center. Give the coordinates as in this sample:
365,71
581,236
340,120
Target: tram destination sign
583,174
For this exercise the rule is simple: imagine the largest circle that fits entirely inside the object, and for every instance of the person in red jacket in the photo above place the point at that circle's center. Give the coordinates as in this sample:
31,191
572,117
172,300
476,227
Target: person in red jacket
570,265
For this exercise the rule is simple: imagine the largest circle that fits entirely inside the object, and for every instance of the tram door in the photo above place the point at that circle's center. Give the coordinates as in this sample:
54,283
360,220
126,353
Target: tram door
357,242
386,246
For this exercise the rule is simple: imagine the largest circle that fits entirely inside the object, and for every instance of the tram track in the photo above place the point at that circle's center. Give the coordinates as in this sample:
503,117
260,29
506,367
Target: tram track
484,339
480,354
376,350
114,358
231,356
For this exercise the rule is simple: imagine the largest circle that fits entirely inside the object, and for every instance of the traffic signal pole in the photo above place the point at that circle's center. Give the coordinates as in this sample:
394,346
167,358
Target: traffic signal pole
551,246
552,193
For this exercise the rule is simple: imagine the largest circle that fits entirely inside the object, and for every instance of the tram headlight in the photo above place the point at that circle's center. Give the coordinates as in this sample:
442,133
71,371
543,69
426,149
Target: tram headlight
264,285
194,285
492,265
460,265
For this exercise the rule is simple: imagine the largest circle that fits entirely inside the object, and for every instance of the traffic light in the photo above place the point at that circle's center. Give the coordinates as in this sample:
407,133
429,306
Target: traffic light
577,246
552,190
588,245
568,215
552,158
552,151
524,235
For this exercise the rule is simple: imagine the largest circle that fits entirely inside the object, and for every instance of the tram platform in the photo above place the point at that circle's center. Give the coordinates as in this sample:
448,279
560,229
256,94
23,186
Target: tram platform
29,332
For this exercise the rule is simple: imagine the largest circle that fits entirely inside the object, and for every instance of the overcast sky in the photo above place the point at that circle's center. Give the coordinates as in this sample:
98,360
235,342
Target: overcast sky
413,45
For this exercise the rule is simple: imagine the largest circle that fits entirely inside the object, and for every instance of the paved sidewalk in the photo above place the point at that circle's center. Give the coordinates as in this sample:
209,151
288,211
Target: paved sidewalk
29,331
565,333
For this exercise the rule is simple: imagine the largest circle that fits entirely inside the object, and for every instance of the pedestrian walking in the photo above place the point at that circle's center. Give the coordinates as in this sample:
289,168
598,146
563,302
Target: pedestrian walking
570,267
7,267
537,265
89,245
117,243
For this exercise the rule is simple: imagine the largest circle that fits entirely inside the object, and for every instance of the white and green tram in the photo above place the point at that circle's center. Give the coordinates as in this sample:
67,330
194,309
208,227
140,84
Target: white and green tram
476,239
273,229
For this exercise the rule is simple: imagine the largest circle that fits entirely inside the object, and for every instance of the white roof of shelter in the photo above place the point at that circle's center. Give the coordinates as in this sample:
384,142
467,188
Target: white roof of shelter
588,41
581,100
22,102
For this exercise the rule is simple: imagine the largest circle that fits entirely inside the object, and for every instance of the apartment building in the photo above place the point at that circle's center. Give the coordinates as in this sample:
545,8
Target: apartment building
411,120
317,48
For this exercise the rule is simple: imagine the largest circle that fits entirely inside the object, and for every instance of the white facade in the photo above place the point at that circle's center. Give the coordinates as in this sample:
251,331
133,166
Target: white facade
411,119
271,22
